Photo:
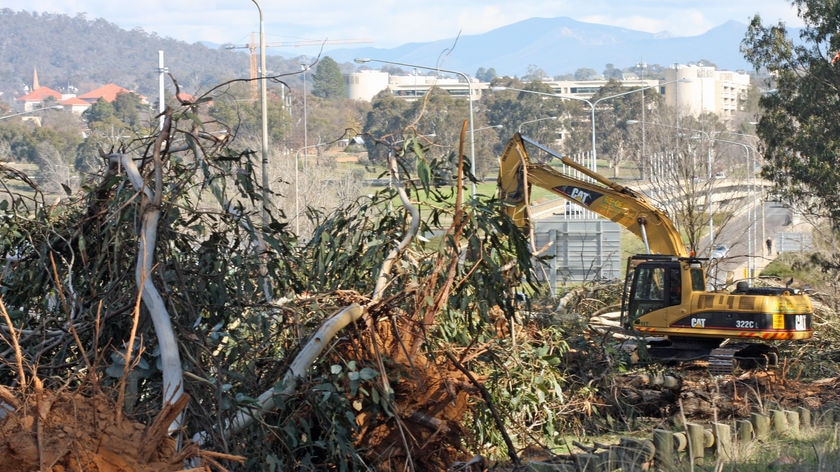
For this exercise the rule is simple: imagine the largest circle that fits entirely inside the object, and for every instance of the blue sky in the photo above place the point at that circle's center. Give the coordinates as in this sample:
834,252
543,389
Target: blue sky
390,23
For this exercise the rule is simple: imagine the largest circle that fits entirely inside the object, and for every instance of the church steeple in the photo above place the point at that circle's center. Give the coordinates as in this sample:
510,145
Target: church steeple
35,84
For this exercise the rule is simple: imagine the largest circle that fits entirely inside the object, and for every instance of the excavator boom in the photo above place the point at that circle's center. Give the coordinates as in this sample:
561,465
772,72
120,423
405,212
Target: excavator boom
599,194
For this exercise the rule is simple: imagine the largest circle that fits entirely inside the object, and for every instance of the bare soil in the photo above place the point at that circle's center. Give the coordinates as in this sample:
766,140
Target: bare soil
62,431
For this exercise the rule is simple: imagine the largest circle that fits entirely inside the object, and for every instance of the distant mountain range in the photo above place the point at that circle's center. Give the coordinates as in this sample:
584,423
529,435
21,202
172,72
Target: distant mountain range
561,46
80,54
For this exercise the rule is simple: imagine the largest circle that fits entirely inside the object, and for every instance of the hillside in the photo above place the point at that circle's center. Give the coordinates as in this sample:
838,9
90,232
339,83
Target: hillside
77,52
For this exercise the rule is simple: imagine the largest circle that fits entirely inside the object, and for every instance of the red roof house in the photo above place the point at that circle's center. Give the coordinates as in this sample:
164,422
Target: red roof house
35,99
75,105
107,92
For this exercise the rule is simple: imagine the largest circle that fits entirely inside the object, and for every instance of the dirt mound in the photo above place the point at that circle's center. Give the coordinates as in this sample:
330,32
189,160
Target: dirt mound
69,431
431,397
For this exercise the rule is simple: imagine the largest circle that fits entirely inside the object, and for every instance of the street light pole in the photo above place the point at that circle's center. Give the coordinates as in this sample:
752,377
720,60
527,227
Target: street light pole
305,68
643,65
752,245
592,105
362,60
264,120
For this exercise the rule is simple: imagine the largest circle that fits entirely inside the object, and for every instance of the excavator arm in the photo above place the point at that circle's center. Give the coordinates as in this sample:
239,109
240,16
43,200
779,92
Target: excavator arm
599,194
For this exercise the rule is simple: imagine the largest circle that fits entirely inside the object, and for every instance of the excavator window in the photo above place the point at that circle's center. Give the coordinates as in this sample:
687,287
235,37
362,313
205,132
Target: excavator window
648,292
698,280
674,286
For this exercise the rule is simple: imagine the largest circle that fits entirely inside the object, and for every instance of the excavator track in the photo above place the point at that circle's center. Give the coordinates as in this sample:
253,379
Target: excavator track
725,359
722,360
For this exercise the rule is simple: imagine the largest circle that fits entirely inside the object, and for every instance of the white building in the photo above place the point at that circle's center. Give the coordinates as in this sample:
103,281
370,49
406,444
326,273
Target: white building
365,84
705,89
702,89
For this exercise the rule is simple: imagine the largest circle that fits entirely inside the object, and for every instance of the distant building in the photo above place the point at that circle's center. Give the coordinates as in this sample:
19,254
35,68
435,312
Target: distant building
75,105
107,92
39,95
586,89
704,89
36,98
365,84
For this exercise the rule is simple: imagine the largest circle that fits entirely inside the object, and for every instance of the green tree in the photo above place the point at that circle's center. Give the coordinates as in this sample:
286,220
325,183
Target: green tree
327,81
611,72
387,118
534,73
611,118
128,107
100,111
237,109
518,110
800,124
586,74
486,75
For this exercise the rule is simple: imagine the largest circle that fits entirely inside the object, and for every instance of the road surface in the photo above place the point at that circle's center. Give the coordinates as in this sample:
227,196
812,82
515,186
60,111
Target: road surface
770,219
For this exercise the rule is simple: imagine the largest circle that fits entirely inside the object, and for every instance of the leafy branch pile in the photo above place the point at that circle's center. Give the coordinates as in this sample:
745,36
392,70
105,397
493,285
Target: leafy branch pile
232,309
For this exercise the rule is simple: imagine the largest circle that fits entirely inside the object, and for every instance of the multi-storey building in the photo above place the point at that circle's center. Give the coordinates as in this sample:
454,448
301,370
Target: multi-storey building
691,89
704,89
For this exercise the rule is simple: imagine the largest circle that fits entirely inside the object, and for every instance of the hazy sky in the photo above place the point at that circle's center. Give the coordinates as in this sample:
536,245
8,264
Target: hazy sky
390,23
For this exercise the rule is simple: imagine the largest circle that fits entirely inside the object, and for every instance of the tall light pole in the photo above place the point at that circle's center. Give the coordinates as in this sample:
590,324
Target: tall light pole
363,60
162,102
264,120
29,112
593,104
305,68
643,65
519,128
752,245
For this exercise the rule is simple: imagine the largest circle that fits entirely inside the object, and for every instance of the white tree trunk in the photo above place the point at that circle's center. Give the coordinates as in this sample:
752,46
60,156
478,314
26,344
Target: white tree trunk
297,369
173,375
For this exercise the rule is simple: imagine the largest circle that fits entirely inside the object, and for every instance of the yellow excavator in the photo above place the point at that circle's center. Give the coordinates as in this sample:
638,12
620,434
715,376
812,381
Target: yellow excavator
665,297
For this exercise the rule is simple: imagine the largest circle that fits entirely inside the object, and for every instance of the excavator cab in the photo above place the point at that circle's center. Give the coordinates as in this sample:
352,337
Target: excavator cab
658,282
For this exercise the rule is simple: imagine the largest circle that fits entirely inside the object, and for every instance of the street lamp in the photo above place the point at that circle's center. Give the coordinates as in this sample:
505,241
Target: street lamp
593,104
519,128
264,120
363,60
36,110
752,246
304,67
